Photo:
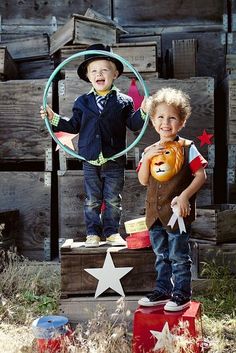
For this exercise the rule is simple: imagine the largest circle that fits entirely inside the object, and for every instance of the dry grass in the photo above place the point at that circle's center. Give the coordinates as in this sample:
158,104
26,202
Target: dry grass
29,290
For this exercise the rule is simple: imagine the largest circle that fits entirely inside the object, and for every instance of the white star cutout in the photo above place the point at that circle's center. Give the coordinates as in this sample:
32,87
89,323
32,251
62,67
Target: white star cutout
108,276
165,339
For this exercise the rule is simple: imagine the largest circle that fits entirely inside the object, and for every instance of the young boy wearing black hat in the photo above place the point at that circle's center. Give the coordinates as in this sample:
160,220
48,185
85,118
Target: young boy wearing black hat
101,117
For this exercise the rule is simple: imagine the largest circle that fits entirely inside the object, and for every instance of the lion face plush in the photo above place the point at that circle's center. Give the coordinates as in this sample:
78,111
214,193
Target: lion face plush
164,166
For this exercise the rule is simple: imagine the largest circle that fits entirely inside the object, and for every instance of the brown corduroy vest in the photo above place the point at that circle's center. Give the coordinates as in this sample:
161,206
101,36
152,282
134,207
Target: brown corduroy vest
160,195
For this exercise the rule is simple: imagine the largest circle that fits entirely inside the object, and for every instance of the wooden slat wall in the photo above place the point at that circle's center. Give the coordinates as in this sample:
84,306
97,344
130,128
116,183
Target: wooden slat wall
23,134
30,193
168,12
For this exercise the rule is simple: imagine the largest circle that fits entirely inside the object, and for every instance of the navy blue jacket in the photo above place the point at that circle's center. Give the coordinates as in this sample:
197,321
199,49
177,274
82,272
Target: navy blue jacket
104,132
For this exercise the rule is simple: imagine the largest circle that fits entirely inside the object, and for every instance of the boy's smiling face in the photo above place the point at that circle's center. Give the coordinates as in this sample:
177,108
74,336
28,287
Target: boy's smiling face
167,121
102,73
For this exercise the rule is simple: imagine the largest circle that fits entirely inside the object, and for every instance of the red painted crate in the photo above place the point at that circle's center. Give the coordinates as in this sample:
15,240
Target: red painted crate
147,319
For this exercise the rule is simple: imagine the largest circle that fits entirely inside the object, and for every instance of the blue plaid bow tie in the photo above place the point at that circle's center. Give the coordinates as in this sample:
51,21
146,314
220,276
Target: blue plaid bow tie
101,100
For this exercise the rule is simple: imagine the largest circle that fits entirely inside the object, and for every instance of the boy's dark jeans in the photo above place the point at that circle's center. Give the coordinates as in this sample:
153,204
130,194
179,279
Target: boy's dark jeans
173,262
103,184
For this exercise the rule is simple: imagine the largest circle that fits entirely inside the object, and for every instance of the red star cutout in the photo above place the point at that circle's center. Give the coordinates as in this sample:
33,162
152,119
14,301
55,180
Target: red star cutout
205,138
66,139
134,93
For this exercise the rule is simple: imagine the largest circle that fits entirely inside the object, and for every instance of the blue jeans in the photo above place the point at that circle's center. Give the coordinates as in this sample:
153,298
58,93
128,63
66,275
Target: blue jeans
173,262
103,184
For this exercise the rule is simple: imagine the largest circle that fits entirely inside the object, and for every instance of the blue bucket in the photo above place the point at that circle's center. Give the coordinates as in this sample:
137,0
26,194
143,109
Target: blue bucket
49,327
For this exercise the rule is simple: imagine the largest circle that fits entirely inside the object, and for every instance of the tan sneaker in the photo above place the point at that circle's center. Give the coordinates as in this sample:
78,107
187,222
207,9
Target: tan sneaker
92,241
116,240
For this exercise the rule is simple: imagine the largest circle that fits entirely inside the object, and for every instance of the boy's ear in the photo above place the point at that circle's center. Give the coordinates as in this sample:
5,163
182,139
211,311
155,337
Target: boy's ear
116,74
184,123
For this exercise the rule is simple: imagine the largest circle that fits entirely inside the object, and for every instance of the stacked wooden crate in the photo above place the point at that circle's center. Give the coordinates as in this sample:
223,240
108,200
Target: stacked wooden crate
25,159
214,237
8,68
31,56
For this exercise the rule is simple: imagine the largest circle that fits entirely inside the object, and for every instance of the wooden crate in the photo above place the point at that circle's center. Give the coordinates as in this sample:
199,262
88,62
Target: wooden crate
28,47
75,258
215,223
30,193
216,255
82,30
71,200
142,56
23,134
184,53
8,68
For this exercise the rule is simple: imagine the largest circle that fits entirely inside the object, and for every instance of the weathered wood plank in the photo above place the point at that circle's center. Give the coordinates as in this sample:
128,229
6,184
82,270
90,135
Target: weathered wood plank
216,223
41,13
168,12
35,69
217,255
30,193
23,134
29,47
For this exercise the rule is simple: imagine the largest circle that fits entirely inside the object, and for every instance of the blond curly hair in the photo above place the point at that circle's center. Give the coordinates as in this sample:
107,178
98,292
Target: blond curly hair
171,96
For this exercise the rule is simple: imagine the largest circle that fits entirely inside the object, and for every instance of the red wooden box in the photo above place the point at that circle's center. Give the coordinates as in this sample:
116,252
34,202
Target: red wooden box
147,319
138,240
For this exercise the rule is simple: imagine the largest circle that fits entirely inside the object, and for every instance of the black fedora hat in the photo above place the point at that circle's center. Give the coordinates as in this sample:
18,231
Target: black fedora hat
82,69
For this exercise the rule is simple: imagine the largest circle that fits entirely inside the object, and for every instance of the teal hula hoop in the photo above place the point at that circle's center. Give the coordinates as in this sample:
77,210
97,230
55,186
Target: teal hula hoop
73,57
